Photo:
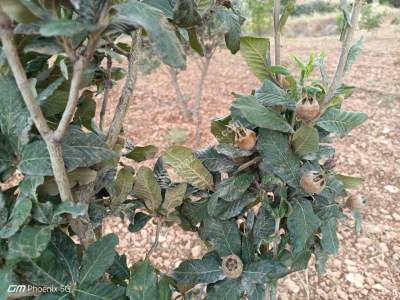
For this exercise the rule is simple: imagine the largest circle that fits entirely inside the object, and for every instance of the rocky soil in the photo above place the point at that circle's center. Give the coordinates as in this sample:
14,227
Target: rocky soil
367,267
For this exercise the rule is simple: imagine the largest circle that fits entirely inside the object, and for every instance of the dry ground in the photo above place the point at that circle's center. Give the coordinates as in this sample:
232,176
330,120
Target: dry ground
367,267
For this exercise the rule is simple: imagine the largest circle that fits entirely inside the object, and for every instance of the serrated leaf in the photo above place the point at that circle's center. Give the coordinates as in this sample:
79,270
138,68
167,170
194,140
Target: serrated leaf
326,208
223,235
139,221
59,27
302,224
233,188
161,174
259,115
97,258
29,243
74,209
186,165
221,131
263,226
305,141
166,7
340,122
265,270
161,37
349,181
321,257
196,211
173,198
143,282
354,51
119,271
225,210
140,154
277,156
255,52
147,188
185,14
329,241
269,94
204,270
228,289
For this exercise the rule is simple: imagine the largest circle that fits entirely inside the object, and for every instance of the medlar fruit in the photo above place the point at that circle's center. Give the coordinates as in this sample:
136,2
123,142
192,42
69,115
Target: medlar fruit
356,202
313,182
245,139
232,266
307,109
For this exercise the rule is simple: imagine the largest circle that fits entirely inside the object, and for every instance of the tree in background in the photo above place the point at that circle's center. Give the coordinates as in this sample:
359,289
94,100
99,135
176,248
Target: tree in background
258,15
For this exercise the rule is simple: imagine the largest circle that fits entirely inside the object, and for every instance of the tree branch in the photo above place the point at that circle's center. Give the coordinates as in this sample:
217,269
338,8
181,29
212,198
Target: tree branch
57,161
124,99
344,53
277,34
154,246
179,96
107,87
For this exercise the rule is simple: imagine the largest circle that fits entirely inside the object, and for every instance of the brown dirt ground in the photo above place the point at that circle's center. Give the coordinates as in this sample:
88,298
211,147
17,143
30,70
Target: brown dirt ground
367,267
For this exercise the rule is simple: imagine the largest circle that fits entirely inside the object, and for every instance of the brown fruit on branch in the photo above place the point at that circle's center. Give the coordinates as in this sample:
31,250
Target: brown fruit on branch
313,182
307,109
232,266
356,202
245,139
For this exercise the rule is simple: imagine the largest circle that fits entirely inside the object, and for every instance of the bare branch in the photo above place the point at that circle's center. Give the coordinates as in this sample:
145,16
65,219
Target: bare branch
107,87
276,238
154,246
57,161
344,53
73,99
179,96
124,99
277,34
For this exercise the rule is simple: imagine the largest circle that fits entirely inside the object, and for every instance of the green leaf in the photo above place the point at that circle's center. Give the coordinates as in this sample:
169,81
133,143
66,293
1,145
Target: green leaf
86,110
100,290
49,90
329,242
228,289
143,282
277,156
265,270
358,222
321,257
6,278
15,122
248,250
264,226
223,235
232,151
97,258
214,161
349,181
121,187
255,52
287,10
139,221
230,23
204,270
259,115
269,94
59,27
29,243
19,213
302,224
79,149
140,154
354,51
225,210
233,188
162,39
194,42
119,270
340,122
164,288
166,7
257,293
173,198
221,131
74,209
185,14
66,253
281,70
326,208
188,166
305,141
147,188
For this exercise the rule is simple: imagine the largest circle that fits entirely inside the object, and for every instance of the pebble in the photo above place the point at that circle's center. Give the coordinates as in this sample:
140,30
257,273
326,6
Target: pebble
356,279
391,189
378,287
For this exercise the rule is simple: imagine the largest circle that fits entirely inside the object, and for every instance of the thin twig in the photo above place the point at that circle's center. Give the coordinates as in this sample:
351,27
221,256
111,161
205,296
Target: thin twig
277,34
124,99
249,163
179,96
276,238
107,87
155,244
344,53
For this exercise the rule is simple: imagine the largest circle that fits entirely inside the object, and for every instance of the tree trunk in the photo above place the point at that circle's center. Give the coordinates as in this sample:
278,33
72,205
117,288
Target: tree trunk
179,96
